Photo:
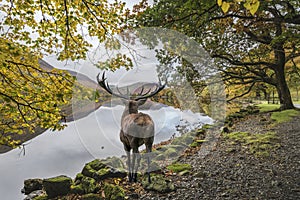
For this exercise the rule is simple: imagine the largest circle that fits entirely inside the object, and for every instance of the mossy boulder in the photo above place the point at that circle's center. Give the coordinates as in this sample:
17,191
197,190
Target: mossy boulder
200,131
177,148
197,143
158,183
169,151
84,185
184,140
114,162
92,196
258,144
179,167
113,192
207,126
41,197
57,186
35,194
98,170
160,157
31,185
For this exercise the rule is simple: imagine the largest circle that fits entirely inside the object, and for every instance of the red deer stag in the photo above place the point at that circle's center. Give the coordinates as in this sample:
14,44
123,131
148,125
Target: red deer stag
136,128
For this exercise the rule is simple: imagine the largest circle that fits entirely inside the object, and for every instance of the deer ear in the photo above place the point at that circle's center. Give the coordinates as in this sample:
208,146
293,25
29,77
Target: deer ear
141,101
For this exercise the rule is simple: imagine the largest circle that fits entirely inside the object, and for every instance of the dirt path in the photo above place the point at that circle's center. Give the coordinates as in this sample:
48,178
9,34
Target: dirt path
231,172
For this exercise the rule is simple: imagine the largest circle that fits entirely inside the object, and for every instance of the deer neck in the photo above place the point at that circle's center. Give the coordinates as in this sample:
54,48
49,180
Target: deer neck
128,111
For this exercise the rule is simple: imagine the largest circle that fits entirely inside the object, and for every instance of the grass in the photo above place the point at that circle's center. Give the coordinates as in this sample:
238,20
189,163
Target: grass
264,107
296,102
284,116
258,144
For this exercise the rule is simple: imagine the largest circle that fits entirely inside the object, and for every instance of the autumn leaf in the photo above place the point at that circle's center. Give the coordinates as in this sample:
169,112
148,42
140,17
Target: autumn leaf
225,7
252,6
219,2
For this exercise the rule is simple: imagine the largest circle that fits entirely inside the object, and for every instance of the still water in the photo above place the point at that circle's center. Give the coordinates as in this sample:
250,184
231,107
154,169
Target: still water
66,152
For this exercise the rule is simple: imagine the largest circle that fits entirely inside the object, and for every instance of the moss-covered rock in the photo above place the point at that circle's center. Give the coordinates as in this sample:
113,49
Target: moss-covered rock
31,185
194,144
178,148
197,143
35,194
114,162
154,166
200,131
179,167
41,197
207,126
184,173
158,183
184,140
160,157
92,196
258,144
169,151
57,186
113,192
98,170
84,185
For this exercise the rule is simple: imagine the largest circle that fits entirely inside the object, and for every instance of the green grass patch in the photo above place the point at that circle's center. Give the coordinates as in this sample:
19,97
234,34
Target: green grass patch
257,144
296,102
179,167
284,116
264,107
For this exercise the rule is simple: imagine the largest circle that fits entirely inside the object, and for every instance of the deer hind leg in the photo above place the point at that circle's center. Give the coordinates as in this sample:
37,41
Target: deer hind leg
148,154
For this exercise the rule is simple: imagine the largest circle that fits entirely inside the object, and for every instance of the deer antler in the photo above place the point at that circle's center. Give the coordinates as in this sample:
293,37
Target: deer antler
129,96
149,94
106,87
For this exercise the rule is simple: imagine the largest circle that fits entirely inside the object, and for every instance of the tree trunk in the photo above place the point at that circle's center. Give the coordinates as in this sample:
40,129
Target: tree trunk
283,90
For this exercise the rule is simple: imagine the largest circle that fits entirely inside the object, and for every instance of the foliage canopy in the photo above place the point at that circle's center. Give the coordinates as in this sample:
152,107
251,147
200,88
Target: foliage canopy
32,96
252,41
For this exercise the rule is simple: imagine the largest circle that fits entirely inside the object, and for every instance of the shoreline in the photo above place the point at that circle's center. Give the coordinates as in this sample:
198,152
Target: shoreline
223,174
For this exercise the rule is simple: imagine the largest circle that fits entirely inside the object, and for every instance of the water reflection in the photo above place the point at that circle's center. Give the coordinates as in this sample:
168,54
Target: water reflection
65,152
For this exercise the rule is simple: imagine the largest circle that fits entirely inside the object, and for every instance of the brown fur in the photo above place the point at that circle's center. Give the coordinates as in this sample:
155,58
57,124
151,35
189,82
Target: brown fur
136,129
142,119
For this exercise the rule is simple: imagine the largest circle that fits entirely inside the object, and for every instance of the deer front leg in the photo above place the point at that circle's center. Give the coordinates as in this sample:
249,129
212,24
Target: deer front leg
125,140
129,166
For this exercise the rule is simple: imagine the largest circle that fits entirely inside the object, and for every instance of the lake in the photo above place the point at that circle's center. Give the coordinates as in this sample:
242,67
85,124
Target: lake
95,136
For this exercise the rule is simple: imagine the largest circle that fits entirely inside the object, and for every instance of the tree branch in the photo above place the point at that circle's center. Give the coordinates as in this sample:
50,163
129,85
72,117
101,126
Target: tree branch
245,93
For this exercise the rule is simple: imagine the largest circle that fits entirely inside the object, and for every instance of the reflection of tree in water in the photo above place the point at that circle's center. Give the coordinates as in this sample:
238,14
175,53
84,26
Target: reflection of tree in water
184,80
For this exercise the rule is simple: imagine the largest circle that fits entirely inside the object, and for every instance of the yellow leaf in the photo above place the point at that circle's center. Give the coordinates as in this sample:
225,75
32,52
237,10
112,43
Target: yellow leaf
220,2
225,7
247,5
254,7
